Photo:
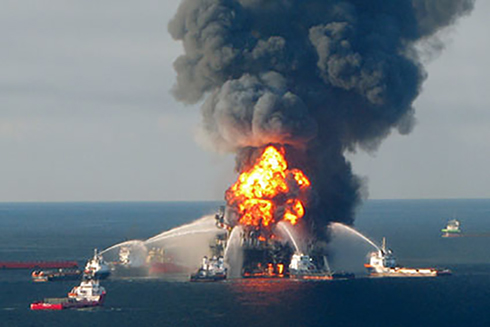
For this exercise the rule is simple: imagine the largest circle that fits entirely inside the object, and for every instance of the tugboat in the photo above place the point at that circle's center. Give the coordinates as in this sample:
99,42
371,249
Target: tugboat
452,229
211,270
88,294
302,267
383,264
96,267
56,275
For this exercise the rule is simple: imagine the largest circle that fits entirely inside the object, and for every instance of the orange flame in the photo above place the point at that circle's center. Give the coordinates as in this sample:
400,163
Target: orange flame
263,195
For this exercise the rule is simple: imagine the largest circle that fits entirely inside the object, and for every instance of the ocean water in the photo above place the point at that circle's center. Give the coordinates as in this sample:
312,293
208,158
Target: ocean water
70,231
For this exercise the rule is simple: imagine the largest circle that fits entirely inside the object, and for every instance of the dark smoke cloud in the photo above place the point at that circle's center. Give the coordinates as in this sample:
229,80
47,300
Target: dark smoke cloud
319,76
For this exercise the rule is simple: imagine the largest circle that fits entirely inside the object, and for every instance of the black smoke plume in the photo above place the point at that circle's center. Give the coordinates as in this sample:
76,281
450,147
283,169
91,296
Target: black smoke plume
321,77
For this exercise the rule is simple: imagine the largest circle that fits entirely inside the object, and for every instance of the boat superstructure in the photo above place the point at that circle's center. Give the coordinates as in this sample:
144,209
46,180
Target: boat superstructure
382,263
96,267
124,256
88,290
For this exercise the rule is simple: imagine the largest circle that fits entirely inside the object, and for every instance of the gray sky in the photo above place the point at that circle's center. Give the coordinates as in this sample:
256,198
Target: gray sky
86,113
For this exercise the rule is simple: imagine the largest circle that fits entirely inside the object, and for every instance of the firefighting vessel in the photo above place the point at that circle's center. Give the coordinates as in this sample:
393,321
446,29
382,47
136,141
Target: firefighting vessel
56,275
303,267
452,229
211,270
96,267
88,294
383,264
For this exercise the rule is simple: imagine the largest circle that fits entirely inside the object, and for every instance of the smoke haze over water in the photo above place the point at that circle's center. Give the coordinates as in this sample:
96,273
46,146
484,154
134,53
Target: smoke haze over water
321,77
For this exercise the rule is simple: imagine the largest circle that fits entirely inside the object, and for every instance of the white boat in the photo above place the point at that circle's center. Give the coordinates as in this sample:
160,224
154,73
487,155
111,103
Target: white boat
382,263
211,270
96,267
303,267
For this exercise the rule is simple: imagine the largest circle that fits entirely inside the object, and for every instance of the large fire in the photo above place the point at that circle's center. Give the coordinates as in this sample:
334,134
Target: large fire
269,192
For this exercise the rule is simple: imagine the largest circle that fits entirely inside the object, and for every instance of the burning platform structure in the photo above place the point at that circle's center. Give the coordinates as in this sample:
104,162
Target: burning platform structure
266,193
263,253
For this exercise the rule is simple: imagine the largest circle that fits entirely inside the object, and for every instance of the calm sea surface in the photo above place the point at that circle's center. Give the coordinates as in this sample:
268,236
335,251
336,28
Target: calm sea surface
70,231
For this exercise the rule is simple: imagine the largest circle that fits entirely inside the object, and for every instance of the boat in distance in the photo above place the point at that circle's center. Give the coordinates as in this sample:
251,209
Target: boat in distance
453,229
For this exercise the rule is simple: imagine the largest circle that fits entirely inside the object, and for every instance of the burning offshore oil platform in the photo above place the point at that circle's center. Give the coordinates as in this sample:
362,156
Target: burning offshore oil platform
290,88
263,206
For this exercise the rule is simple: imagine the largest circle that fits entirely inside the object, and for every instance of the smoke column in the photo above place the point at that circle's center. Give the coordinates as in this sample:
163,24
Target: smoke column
320,77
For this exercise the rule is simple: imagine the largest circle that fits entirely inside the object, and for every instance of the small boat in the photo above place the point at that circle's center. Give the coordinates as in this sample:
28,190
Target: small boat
383,264
88,294
452,229
96,267
211,270
56,275
303,267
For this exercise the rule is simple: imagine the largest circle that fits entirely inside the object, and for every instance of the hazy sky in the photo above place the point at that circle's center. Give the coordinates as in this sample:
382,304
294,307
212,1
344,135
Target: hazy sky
86,113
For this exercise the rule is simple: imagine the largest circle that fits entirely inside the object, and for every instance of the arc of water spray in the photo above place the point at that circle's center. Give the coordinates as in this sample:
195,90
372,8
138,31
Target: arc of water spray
355,232
130,242
205,222
167,236
285,228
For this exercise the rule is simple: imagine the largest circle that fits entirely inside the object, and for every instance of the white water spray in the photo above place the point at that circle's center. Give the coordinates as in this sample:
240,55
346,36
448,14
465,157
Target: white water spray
203,225
136,256
338,226
162,238
233,254
131,243
285,227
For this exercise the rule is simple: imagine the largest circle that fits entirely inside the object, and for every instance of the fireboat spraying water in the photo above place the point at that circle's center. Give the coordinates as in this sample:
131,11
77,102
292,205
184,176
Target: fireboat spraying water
211,270
96,267
382,263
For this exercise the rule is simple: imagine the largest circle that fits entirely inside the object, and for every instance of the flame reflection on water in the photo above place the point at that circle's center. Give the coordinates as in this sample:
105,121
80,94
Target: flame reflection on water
265,291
